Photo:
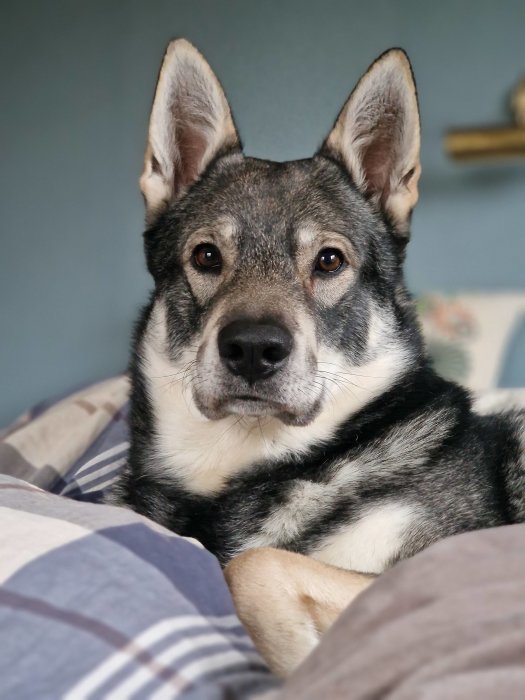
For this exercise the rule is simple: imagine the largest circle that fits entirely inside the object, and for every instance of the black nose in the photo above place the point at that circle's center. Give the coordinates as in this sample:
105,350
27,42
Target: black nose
254,350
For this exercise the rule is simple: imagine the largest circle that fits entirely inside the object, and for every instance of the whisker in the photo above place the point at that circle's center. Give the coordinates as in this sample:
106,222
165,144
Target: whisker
341,370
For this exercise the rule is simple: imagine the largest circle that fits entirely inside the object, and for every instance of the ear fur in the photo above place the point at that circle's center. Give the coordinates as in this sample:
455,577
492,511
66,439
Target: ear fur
377,137
190,125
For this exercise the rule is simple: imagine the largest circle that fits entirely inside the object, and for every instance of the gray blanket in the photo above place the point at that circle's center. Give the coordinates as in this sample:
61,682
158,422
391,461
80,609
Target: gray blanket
448,624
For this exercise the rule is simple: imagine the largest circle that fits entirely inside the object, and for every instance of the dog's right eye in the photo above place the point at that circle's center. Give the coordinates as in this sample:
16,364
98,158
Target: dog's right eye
207,257
329,260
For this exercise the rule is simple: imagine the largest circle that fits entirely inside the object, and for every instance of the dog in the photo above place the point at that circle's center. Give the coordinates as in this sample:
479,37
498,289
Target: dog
284,411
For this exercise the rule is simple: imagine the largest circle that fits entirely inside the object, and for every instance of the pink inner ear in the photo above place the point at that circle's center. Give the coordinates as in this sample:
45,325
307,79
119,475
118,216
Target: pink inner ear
191,147
382,144
377,163
193,119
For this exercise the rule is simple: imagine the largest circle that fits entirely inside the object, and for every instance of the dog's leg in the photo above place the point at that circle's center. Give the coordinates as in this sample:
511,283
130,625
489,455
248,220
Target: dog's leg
287,601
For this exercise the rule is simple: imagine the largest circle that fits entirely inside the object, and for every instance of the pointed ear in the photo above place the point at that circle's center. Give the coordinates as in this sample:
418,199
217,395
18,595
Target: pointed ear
376,136
190,124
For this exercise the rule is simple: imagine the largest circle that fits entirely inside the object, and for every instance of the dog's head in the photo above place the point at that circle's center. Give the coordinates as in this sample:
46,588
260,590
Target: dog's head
278,282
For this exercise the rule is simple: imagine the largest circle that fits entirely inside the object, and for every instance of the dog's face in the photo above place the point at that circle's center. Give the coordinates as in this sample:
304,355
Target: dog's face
277,281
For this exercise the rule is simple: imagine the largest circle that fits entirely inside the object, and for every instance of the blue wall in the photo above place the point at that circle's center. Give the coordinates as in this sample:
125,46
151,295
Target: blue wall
77,79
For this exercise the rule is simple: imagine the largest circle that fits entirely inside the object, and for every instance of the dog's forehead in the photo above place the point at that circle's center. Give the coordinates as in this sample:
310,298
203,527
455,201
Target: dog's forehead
269,206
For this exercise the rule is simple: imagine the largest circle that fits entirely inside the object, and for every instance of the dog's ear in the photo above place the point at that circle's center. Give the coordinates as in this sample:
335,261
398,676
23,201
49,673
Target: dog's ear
377,134
190,125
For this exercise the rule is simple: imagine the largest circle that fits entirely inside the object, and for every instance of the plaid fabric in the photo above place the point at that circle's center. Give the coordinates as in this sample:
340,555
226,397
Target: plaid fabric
96,601
74,446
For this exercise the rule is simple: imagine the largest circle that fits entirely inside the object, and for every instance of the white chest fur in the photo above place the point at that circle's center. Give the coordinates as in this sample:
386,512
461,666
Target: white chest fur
367,544
370,543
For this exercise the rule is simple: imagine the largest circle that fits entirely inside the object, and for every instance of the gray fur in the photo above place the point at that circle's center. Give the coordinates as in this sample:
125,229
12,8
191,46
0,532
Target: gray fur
354,452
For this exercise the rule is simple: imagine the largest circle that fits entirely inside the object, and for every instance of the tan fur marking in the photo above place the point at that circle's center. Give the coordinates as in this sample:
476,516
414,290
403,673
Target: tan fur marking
288,601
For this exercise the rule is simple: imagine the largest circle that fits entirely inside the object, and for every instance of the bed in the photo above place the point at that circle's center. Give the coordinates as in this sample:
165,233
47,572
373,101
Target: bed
99,602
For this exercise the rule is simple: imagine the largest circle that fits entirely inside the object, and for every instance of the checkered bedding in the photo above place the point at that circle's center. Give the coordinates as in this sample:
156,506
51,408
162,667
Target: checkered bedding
96,601
72,447
99,602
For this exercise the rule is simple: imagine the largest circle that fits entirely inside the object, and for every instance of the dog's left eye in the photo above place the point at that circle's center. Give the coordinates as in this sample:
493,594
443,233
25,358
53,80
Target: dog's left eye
329,260
207,257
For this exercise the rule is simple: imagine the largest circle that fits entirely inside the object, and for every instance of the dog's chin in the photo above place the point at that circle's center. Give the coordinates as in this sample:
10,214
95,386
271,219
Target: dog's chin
250,406
255,407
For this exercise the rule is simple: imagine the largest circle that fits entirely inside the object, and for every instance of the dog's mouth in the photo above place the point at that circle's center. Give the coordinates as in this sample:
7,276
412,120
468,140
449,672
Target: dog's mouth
289,397
256,406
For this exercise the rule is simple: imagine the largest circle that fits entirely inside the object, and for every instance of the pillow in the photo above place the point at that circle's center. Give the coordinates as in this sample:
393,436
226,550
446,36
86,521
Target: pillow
467,334
513,373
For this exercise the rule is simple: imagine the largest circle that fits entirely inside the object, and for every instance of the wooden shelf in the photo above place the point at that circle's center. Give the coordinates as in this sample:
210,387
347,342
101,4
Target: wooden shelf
488,143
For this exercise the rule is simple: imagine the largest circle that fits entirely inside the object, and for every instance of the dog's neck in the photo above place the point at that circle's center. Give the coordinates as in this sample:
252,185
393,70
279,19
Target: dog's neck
204,454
